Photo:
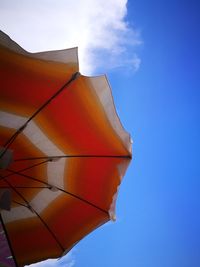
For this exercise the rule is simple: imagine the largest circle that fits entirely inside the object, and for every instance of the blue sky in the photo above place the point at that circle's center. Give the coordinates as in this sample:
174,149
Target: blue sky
155,80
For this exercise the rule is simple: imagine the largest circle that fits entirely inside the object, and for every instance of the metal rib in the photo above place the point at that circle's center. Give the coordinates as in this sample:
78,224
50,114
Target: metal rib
60,189
14,136
33,210
75,156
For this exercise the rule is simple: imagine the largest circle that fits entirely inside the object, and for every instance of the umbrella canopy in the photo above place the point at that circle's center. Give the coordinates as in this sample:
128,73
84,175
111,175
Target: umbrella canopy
63,151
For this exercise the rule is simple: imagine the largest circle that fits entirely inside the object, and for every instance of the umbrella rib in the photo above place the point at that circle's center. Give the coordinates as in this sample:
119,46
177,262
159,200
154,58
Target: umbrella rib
11,186
75,156
27,176
34,211
74,76
14,201
25,187
25,169
60,189
14,136
84,200
49,230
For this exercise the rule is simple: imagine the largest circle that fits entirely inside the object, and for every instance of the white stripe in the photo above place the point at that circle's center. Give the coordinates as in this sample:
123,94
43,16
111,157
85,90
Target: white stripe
40,140
32,132
55,169
101,87
17,213
38,203
11,121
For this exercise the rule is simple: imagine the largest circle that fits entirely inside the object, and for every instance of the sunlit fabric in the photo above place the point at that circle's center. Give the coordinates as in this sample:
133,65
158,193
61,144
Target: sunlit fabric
69,151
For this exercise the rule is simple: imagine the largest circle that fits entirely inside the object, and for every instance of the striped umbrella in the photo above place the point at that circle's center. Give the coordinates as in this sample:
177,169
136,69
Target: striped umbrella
63,152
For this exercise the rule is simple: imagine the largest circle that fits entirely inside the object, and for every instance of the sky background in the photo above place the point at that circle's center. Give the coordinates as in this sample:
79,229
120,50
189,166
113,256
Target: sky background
150,53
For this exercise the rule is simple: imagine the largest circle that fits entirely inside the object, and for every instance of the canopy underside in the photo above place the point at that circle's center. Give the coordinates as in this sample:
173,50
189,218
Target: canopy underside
69,150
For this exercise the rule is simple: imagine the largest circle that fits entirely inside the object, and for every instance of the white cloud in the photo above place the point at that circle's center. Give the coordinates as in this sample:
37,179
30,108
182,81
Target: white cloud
97,27
66,261
47,263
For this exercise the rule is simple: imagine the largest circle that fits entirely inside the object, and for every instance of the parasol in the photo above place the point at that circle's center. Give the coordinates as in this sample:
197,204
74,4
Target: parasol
63,151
